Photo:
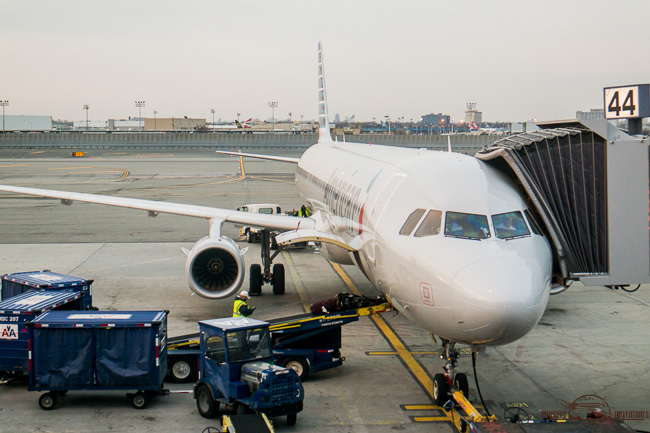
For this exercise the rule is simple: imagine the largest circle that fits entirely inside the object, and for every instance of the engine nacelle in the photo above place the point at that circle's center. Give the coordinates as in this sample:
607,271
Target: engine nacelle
215,268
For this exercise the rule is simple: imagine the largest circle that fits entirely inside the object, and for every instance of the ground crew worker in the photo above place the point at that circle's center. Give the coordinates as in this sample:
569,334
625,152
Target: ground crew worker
241,308
304,211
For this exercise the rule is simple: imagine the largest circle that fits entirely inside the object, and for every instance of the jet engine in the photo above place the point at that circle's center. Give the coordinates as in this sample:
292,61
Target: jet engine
215,267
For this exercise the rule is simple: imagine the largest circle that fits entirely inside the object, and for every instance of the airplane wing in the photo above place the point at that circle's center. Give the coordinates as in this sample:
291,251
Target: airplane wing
277,222
269,157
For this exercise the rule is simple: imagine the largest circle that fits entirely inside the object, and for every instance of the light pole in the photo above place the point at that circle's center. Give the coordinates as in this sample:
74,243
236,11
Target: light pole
273,106
86,107
388,121
4,104
212,111
140,104
238,114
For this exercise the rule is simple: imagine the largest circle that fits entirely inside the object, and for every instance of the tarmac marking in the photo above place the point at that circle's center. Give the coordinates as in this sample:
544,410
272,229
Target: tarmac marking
400,349
67,168
416,370
13,165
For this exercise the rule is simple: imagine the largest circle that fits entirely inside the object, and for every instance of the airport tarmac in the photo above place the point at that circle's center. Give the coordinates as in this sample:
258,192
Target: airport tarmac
590,346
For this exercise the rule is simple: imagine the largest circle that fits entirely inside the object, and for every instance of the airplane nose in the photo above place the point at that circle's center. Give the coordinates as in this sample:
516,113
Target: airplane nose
499,300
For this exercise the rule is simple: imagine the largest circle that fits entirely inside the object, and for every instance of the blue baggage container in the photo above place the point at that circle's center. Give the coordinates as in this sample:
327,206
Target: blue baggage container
16,312
15,284
98,350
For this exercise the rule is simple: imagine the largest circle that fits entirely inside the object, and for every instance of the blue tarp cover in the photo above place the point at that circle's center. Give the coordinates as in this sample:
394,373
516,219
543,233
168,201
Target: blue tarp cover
98,349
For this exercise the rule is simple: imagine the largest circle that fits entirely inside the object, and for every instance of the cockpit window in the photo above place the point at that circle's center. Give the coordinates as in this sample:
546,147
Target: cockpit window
411,222
430,225
509,225
532,222
468,226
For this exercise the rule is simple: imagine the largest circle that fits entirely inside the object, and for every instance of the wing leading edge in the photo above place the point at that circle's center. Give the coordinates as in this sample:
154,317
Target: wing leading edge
277,222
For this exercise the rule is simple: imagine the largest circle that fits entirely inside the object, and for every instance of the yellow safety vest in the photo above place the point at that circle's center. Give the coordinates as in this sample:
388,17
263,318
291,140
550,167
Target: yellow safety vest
236,307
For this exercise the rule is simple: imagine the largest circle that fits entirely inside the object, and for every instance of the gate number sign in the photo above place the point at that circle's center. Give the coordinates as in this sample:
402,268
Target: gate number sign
627,101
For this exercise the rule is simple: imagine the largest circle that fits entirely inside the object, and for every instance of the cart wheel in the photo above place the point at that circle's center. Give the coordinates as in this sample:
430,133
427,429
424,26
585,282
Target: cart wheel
183,369
140,400
242,409
440,389
47,401
299,365
292,418
255,280
278,279
460,382
207,406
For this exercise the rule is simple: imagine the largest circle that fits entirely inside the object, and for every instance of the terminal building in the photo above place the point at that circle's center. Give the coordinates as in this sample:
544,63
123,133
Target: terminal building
436,119
26,123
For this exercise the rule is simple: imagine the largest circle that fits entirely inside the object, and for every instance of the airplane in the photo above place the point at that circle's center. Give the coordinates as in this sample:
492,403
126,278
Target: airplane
446,237
245,124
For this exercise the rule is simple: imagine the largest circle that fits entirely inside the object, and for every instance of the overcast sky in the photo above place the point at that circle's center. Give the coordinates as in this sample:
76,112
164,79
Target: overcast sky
516,59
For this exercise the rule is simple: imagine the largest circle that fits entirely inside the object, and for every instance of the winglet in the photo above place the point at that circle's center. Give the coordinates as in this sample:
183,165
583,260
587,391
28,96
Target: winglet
323,119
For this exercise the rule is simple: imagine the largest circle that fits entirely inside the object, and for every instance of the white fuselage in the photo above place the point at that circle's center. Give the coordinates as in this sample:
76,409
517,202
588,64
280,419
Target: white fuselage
486,292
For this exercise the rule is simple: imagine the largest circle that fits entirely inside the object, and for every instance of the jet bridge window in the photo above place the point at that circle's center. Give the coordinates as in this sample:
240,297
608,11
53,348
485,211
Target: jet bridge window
509,225
411,222
466,226
431,224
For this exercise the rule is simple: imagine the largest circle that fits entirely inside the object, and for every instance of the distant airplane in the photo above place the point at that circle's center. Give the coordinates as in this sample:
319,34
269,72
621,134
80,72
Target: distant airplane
446,237
245,124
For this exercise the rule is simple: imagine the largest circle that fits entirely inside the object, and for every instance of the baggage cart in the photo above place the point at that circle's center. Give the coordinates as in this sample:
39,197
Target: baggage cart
21,282
98,350
15,312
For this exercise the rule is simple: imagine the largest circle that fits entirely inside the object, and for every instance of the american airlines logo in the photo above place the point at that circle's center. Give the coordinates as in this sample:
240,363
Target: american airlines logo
9,332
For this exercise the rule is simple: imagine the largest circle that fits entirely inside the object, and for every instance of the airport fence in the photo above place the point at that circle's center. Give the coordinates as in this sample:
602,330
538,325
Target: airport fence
81,140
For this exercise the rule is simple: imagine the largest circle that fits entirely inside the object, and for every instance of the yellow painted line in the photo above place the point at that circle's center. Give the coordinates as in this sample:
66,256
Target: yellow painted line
421,407
432,418
396,353
402,352
68,168
296,280
37,152
272,180
13,165
241,166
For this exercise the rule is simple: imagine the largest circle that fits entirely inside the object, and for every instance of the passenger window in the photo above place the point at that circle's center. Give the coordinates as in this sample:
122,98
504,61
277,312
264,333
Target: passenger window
431,224
509,225
411,222
265,210
532,222
466,226
243,209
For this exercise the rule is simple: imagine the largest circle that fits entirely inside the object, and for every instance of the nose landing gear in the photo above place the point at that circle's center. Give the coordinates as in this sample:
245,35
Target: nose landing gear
258,276
445,384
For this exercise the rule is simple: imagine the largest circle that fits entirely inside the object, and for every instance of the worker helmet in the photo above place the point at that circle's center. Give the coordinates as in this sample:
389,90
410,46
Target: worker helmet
243,294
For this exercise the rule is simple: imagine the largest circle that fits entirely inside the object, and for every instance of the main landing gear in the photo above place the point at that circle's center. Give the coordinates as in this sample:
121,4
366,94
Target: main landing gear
257,277
445,384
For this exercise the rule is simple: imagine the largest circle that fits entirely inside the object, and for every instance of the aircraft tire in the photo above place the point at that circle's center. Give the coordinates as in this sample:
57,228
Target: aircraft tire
278,279
440,389
255,280
460,382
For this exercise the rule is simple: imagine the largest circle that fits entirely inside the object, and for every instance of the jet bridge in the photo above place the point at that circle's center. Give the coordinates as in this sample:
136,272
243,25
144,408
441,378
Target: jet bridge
588,183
